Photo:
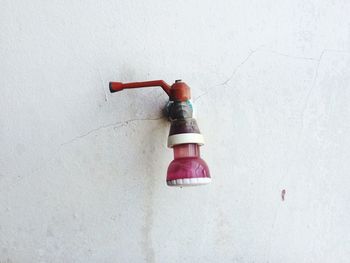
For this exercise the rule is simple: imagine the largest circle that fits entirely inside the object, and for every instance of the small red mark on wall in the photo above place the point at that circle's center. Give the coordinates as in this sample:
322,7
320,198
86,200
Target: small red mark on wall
283,193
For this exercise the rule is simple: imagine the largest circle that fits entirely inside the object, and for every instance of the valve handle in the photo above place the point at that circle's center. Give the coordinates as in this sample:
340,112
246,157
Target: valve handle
179,91
118,86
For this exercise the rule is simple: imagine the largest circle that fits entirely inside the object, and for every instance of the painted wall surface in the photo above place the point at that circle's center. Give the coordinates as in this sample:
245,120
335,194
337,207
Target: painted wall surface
82,172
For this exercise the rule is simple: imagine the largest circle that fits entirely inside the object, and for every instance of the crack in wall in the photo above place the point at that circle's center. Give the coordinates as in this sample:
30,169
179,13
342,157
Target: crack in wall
307,98
102,84
315,78
52,156
239,66
249,56
115,125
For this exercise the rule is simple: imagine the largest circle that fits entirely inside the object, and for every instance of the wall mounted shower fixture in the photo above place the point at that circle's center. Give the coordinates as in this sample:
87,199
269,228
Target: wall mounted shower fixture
187,168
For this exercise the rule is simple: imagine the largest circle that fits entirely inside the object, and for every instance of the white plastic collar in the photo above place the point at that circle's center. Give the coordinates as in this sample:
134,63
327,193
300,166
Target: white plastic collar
185,138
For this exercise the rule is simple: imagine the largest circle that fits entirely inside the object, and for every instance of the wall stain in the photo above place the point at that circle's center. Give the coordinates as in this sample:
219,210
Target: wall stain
149,149
283,193
148,223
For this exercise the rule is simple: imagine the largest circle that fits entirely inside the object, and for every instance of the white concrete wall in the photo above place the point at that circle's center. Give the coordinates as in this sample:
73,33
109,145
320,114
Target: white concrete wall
82,172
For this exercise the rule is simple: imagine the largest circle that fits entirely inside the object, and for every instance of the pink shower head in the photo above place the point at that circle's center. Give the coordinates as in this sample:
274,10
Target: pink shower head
187,168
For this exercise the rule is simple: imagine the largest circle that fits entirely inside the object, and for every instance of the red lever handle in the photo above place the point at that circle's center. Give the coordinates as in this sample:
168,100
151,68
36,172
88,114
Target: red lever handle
179,91
118,86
